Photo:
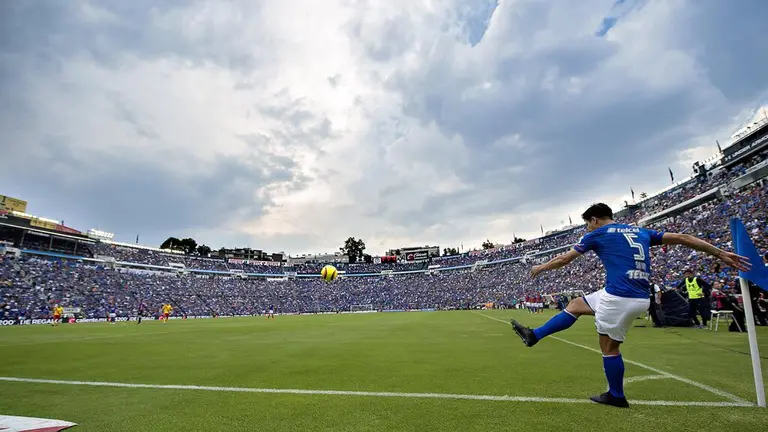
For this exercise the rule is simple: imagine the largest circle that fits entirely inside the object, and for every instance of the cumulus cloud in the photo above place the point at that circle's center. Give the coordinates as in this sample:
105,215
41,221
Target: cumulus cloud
291,125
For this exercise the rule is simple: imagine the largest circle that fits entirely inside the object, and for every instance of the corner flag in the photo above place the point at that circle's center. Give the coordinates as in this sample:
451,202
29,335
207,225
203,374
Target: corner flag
758,274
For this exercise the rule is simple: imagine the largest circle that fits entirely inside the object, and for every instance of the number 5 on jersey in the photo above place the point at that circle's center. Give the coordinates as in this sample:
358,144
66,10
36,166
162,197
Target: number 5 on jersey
640,255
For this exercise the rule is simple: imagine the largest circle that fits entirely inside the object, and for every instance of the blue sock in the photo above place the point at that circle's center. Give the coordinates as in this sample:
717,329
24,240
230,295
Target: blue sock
614,371
557,323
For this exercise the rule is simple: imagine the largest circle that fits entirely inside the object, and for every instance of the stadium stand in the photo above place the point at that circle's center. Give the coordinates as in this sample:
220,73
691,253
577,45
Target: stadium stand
128,276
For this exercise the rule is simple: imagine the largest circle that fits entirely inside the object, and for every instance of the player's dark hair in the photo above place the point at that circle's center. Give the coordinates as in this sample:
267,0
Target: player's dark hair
599,211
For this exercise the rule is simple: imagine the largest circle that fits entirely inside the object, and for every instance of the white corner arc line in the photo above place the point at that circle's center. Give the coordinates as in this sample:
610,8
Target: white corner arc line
702,386
640,378
710,389
366,393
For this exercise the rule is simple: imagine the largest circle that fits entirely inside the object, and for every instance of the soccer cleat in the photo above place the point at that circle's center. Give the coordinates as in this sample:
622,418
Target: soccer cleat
608,399
526,334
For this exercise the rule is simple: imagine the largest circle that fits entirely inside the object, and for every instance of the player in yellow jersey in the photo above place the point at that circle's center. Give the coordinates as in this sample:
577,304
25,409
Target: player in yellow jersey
58,311
167,309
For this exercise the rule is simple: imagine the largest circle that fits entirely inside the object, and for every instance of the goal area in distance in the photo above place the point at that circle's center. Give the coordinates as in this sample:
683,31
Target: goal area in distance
361,308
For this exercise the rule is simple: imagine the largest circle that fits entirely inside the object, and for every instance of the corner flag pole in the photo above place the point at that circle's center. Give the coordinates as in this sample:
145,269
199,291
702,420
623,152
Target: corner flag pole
754,351
757,274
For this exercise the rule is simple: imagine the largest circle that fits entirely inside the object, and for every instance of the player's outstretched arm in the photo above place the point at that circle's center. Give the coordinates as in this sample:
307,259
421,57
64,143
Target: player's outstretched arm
555,263
729,258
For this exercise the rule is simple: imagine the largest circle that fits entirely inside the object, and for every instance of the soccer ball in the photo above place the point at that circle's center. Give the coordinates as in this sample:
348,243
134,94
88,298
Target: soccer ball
329,273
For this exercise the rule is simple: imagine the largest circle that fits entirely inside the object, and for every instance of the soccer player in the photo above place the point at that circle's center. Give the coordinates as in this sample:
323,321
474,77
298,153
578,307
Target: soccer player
271,312
140,313
57,312
167,309
112,319
624,252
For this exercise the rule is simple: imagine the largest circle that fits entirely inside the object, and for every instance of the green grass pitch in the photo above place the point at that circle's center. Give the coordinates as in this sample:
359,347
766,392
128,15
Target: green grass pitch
443,353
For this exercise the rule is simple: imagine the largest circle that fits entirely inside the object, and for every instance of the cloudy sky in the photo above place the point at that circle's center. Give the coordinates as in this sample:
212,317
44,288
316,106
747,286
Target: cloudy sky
292,124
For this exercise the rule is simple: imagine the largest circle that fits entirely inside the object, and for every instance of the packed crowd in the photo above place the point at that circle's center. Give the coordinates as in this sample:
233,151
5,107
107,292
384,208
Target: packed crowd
249,267
680,194
164,259
534,246
30,286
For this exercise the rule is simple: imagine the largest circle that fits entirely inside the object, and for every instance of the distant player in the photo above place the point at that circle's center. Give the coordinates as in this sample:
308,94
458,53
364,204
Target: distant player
624,252
140,313
112,319
58,311
271,312
167,310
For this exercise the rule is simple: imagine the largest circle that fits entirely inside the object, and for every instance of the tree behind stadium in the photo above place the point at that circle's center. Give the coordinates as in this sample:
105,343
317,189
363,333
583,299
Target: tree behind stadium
353,248
187,245
450,251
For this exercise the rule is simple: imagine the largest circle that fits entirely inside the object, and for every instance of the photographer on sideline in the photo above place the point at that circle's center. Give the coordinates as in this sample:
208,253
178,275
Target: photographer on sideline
655,309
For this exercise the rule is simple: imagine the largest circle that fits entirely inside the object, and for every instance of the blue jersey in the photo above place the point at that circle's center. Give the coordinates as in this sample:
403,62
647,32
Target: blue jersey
624,251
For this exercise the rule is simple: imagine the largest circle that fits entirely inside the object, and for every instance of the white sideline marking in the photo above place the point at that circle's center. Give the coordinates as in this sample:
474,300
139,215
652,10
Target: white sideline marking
366,393
710,389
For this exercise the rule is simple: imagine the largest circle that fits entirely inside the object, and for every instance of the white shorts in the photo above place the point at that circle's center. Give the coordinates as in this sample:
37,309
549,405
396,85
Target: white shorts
271,312
112,315
614,315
